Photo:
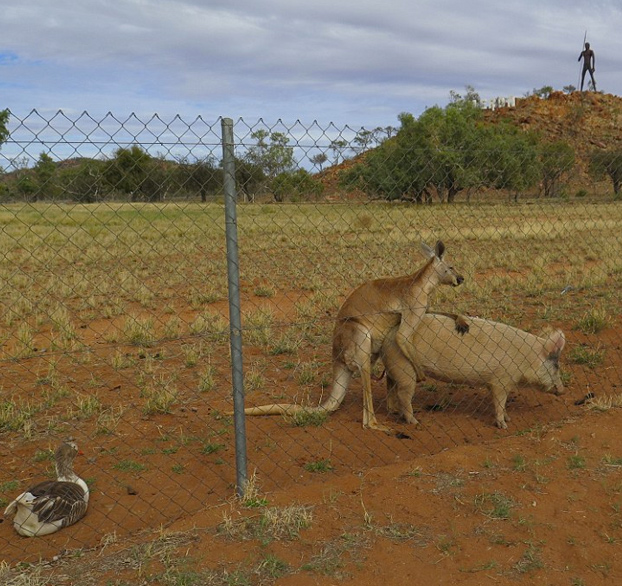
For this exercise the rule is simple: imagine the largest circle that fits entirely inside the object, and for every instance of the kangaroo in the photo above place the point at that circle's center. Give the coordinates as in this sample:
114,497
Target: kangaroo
492,353
369,313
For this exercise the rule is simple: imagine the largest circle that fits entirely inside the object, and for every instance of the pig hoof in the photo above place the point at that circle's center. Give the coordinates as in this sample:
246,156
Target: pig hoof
502,425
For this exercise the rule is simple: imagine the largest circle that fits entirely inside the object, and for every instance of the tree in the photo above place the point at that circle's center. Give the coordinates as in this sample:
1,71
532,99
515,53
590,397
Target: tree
363,140
608,163
544,92
85,183
26,185
510,159
249,178
4,120
557,159
319,159
452,137
387,131
444,152
4,134
392,171
201,176
295,186
470,97
134,172
45,177
272,157
338,146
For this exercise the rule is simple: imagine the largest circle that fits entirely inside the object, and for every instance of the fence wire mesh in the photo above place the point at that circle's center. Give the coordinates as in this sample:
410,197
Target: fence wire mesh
114,299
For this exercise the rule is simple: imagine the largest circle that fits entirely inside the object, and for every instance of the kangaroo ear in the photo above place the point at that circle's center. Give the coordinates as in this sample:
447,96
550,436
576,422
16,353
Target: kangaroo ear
426,250
555,342
439,249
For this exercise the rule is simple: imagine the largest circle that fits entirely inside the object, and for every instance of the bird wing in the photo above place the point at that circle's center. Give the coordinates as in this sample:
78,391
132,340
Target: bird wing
56,501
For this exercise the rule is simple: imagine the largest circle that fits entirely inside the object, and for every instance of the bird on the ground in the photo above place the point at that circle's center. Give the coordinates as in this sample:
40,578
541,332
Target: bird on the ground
51,505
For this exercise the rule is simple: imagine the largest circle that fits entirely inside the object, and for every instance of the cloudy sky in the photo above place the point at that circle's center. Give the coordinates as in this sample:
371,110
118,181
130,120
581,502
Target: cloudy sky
355,62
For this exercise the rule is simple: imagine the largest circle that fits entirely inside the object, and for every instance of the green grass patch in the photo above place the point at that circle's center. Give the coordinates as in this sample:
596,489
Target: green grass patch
129,466
319,466
495,505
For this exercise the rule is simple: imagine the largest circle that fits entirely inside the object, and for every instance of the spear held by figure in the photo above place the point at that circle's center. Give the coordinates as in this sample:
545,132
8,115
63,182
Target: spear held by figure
589,62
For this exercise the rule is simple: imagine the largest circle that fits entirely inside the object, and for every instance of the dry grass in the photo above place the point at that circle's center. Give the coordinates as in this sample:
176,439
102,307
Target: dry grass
143,317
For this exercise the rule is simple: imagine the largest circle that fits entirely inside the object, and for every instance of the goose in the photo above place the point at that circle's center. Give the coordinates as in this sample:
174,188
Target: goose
52,504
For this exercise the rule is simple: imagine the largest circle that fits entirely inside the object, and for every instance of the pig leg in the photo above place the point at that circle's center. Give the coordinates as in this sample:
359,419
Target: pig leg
499,392
401,383
392,404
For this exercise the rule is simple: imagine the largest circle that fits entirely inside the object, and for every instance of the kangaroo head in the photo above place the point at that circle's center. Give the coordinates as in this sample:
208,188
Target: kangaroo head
445,273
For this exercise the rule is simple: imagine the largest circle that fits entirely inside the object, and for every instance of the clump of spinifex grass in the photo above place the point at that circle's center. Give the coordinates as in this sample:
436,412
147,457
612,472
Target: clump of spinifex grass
138,331
84,406
205,296
494,505
307,373
273,524
211,325
319,466
16,415
25,341
62,323
590,357
160,394
207,378
307,417
258,327
121,360
284,344
173,328
593,321
108,419
254,378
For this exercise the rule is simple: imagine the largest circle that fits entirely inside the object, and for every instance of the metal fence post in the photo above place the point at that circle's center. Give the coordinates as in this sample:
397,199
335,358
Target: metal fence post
235,321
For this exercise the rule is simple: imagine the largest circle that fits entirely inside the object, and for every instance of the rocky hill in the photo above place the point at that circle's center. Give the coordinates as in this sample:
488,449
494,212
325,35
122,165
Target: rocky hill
585,120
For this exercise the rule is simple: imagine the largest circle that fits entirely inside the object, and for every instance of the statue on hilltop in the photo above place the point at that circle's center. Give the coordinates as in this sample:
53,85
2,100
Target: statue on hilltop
589,64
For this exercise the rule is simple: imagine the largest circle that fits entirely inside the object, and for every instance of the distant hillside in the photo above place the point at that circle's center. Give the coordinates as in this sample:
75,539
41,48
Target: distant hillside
586,121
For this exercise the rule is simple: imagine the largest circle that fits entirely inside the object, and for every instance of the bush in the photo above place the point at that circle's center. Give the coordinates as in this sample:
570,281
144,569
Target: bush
444,152
295,186
607,163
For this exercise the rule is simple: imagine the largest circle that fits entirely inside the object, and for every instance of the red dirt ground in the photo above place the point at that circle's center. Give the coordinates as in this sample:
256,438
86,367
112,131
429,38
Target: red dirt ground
420,508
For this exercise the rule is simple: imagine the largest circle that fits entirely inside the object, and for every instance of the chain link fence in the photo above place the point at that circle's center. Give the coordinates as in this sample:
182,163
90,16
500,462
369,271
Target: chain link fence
115,313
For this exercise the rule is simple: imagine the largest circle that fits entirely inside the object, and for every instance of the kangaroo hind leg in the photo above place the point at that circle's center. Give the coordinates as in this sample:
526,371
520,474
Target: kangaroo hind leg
356,354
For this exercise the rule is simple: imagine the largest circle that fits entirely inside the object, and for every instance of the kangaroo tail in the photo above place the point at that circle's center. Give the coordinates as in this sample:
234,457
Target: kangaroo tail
281,409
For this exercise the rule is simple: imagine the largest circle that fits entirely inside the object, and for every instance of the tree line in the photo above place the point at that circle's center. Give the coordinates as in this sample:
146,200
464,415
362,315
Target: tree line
132,174
442,154
451,151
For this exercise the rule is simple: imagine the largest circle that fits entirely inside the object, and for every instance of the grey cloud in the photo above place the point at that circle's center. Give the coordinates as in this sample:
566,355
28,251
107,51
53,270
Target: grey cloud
358,62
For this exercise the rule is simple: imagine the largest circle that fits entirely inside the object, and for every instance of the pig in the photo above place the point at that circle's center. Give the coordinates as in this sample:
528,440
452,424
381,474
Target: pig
490,353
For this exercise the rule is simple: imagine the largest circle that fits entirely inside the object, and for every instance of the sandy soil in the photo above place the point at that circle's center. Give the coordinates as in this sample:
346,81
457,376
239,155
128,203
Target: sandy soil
452,501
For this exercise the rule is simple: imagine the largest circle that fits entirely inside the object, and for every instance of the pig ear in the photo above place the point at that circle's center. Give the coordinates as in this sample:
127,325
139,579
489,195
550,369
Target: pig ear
554,344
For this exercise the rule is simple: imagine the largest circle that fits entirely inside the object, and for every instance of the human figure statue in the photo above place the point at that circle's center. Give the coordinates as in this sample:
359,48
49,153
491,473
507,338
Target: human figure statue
589,64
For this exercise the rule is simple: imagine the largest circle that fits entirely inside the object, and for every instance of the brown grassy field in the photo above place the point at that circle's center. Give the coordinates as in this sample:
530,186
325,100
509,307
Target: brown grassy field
115,333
